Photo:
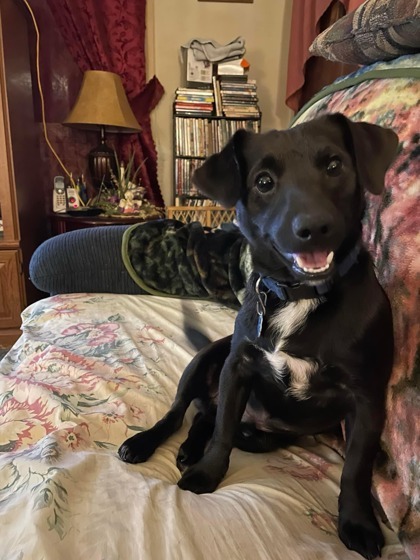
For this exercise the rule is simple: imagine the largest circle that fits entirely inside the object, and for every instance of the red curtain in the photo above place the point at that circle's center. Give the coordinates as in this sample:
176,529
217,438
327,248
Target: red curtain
308,74
110,35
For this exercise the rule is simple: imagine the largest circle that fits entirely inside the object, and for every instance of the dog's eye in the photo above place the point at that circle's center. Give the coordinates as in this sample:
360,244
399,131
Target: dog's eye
264,183
334,166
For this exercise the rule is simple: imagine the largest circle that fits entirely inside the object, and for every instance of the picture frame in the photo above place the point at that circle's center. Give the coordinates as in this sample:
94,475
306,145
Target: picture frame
231,1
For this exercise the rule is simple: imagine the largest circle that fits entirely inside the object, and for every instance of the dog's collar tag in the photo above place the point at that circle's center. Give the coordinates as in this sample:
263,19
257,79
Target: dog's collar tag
261,303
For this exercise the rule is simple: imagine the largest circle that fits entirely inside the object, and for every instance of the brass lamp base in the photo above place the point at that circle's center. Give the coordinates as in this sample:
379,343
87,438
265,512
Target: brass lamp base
102,163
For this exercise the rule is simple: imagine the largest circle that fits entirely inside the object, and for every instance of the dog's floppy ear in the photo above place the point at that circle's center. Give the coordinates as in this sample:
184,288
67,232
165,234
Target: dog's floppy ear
374,149
220,176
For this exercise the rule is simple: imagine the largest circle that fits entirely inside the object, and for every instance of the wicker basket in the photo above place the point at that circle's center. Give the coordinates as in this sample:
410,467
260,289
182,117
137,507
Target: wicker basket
210,216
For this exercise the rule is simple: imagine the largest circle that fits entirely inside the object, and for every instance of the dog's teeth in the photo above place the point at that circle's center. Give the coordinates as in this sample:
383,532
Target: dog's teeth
301,264
315,270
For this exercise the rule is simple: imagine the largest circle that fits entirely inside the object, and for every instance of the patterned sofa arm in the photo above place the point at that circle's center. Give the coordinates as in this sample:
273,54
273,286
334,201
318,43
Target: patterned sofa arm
387,94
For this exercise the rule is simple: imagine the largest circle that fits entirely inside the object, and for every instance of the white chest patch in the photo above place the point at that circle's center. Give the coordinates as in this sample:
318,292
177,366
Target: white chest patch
284,323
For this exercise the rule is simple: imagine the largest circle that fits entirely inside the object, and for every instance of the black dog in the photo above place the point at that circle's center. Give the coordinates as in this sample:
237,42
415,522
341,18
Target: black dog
313,341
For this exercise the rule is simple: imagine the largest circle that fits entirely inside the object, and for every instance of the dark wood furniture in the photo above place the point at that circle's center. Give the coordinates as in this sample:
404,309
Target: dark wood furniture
22,196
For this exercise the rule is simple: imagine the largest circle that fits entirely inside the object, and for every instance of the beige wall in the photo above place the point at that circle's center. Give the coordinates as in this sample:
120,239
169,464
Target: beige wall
264,25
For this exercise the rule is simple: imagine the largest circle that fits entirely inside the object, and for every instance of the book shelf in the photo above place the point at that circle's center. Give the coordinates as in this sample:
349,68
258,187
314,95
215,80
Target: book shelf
195,139
204,119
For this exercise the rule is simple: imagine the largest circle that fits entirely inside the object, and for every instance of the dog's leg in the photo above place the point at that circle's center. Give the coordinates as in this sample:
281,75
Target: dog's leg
193,447
247,438
193,385
141,446
358,527
234,390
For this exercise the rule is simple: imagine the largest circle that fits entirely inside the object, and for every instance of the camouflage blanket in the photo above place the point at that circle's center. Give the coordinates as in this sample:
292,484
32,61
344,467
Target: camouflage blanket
170,258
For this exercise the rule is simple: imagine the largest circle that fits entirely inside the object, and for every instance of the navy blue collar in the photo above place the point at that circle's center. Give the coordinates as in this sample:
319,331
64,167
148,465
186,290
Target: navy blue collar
295,292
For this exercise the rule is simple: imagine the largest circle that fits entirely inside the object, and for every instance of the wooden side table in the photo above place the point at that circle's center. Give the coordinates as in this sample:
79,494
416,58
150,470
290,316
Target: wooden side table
62,223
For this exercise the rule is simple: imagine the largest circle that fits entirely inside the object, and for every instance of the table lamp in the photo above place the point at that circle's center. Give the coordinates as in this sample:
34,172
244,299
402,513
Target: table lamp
102,103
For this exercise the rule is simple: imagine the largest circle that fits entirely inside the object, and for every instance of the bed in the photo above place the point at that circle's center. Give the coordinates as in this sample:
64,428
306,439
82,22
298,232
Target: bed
92,368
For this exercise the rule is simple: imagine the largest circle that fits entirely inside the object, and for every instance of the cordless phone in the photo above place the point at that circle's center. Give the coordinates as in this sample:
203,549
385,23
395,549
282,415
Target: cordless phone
59,195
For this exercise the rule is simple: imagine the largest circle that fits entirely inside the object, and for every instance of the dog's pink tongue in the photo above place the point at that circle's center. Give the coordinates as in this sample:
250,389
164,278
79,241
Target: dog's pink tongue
318,259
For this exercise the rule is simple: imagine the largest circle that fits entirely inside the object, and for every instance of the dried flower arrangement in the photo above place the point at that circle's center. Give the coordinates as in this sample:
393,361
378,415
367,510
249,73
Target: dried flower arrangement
125,195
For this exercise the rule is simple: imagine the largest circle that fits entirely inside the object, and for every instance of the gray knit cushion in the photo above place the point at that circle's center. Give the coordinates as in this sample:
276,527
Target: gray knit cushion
85,260
376,30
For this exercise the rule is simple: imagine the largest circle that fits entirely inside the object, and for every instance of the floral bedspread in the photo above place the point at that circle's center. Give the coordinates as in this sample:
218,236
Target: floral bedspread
388,94
92,369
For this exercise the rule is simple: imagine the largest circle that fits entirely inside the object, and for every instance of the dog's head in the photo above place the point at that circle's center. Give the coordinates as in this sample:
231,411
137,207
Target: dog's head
299,193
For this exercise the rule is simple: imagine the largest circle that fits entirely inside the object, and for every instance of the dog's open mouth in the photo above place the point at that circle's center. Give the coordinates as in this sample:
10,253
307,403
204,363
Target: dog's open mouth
313,263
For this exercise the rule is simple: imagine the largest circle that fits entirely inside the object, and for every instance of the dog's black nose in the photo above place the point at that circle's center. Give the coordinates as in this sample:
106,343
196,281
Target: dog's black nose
312,228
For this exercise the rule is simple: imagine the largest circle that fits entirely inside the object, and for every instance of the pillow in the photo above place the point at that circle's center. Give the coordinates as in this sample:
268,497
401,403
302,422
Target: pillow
376,30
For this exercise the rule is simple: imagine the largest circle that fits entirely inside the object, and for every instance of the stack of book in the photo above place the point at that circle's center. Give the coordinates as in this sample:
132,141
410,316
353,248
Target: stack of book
194,102
233,70
239,99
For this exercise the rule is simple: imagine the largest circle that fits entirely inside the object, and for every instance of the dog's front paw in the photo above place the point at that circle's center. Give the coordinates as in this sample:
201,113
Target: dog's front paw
362,535
188,455
138,448
198,481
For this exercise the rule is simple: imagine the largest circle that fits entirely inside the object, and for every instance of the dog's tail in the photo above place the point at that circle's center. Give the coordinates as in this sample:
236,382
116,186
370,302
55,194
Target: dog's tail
249,438
196,336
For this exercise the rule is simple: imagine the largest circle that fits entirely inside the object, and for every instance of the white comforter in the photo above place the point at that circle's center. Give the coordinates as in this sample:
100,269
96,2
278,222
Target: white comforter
91,370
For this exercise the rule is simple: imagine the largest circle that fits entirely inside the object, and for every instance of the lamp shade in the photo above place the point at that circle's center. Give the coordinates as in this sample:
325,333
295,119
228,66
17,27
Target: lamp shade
102,102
